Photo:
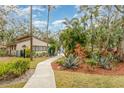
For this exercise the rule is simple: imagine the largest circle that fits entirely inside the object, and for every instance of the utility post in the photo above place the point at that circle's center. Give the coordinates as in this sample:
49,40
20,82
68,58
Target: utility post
48,10
31,56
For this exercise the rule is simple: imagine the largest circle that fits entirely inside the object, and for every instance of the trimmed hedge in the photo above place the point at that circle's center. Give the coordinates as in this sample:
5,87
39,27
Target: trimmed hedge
14,69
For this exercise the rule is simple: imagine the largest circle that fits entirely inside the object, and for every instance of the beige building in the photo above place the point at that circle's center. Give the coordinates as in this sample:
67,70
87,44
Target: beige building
2,47
17,48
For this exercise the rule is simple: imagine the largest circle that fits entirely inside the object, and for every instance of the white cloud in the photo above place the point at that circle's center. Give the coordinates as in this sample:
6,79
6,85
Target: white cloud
39,24
57,25
39,8
57,22
24,11
34,8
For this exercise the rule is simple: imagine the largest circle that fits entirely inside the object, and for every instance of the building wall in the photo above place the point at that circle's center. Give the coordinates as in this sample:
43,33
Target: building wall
19,46
37,42
38,45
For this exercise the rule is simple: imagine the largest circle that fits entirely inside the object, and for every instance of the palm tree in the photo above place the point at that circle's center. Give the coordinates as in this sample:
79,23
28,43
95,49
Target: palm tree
49,8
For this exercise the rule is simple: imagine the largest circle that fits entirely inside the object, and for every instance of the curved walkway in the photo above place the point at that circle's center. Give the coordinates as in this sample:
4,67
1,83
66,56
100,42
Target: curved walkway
43,76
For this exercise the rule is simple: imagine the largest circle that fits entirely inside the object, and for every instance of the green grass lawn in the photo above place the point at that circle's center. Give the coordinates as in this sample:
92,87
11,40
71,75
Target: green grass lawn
17,85
36,61
66,79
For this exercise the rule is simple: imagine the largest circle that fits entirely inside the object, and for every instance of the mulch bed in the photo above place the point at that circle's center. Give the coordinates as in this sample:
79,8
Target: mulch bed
83,68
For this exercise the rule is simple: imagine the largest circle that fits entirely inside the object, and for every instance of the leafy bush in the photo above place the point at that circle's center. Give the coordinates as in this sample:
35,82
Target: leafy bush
20,66
15,68
61,61
40,54
51,50
3,53
4,69
104,61
92,62
88,53
71,62
27,52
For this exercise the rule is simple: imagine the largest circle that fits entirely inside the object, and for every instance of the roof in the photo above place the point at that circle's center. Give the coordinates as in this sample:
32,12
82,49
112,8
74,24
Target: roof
27,37
23,38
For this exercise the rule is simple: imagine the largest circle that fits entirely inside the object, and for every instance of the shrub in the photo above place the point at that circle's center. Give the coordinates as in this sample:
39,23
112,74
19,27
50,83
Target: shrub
51,50
3,53
92,62
27,52
20,66
15,68
88,53
104,60
4,69
61,61
40,54
71,62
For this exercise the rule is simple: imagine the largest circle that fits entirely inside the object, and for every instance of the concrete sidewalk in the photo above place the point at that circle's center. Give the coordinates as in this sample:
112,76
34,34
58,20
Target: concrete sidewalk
43,76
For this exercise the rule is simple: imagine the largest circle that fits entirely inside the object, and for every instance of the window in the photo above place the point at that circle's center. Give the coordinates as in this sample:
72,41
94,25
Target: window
33,48
39,48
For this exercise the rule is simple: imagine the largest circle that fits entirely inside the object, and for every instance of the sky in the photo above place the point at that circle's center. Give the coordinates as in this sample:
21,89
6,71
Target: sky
57,15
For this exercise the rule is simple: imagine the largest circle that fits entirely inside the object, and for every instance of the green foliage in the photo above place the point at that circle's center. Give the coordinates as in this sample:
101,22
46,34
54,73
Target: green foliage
71,62
51,50
54,46
91,62
40,54
27,52
20,66
60,61
104,61
15,68
4,69
70,37
3,52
